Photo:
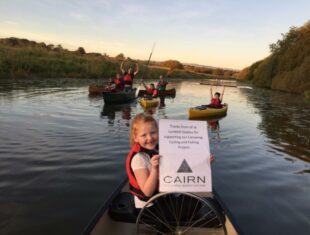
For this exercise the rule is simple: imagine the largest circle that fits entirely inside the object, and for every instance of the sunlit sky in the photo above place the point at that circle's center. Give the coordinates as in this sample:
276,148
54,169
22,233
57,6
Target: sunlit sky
220,33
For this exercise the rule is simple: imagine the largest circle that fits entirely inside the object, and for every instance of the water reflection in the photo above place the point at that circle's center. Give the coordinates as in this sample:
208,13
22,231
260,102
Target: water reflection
214,127
71,157
162,102
110,112
150,111
285,121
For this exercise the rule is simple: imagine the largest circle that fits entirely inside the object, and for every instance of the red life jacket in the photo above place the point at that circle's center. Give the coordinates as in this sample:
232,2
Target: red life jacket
151,91
216,102
133,184
128,77
119,84
117,81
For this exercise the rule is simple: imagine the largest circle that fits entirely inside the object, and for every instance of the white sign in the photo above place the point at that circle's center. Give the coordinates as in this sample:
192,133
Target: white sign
185,156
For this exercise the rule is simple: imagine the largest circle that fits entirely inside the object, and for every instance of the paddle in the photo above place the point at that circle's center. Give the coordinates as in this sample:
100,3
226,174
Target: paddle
138,89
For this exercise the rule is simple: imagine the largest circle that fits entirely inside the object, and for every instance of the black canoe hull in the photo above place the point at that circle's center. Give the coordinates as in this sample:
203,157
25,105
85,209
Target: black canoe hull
168,93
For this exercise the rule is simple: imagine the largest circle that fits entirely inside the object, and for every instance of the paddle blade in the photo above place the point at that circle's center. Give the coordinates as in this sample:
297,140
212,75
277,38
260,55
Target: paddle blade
137,91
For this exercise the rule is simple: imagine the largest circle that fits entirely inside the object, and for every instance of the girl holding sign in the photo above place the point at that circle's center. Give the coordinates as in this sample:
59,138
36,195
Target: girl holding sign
142,164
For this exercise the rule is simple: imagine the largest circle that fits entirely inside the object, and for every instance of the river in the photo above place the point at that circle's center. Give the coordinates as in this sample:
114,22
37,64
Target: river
62,153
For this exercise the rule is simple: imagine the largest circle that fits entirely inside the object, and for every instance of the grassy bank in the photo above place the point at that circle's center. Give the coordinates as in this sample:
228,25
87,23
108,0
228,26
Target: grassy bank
22,59
28,62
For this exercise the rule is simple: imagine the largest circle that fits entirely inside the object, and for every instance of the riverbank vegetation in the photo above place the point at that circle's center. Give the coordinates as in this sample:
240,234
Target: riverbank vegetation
22,58
288,66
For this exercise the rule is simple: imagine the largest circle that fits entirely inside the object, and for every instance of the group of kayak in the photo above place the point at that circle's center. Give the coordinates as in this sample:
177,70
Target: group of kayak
116,93
215,108
120,90
125,82
119,84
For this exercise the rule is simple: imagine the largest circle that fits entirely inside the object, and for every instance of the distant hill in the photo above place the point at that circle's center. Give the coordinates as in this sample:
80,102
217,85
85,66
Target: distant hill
210,67
288,66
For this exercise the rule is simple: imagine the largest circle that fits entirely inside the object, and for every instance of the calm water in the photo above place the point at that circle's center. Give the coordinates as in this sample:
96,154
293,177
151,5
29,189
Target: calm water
62,154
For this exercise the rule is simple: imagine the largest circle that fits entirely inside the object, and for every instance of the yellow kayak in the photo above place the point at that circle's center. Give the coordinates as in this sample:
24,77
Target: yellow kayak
148,103
200,112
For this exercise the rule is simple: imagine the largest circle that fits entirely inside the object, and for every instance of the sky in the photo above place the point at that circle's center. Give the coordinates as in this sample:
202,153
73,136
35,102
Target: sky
220,33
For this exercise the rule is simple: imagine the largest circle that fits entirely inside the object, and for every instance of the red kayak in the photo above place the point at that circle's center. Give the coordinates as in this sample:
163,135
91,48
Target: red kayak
97,89
170,92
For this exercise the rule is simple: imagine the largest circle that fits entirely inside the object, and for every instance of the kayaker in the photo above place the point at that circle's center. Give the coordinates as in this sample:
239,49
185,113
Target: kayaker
142,164
161,85
119,82
129,75
151,91
216,100
111,85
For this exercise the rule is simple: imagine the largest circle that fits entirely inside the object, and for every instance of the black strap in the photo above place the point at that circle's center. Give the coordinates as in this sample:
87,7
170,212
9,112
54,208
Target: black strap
139,193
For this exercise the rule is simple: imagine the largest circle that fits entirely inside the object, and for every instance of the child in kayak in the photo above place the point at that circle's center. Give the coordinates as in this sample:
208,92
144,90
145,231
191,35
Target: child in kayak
216,100
119,82
151,91
111,85
142,164
129,75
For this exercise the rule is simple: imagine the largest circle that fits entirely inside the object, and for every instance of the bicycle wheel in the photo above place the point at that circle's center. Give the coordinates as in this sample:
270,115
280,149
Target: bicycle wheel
180,213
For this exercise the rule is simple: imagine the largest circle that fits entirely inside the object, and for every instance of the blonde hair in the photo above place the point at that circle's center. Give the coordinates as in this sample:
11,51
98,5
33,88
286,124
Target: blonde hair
136,121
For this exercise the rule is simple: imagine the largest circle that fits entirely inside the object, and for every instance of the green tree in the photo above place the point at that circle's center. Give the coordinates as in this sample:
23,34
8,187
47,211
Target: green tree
120,56
172,64
81,51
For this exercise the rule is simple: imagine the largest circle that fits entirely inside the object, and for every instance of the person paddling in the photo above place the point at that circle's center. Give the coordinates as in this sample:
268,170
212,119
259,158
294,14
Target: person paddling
151,92
111,85
161,85
129,75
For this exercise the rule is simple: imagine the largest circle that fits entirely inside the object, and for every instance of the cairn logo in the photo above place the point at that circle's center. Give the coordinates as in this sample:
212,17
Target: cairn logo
184,168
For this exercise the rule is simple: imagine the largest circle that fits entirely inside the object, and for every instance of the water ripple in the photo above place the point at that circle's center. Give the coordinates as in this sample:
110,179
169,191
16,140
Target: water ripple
62,151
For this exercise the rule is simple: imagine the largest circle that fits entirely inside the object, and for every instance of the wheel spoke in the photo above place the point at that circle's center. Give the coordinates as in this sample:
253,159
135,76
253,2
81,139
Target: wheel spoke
181,208
199,220
205,223
163,215
174,213
153,228
158,219
168,205
189,222
188,211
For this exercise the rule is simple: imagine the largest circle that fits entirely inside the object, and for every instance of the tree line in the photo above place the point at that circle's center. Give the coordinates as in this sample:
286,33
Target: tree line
23,58
287,68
